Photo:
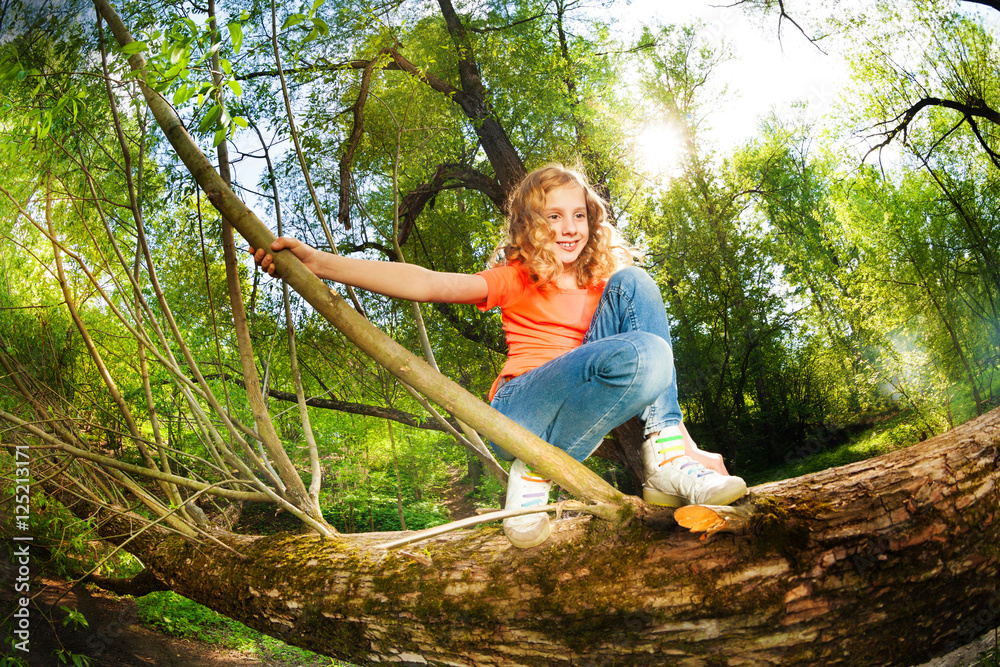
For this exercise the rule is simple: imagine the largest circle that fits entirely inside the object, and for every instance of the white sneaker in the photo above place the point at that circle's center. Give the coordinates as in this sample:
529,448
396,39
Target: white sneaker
526,489
675,480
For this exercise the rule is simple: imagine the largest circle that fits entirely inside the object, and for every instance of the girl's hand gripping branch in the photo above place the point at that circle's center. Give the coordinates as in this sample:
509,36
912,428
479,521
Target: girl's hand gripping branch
306,254
395,279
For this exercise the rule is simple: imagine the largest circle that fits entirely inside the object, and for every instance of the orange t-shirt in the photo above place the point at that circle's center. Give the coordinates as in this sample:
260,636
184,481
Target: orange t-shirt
539,326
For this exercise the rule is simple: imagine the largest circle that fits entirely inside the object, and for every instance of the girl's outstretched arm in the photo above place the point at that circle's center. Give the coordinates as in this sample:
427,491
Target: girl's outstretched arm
395,279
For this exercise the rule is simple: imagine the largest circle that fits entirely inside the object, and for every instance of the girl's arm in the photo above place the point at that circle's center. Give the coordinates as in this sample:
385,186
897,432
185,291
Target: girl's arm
395,279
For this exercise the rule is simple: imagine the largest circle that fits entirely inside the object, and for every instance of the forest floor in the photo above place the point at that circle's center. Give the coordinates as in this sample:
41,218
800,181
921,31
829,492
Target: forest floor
115,638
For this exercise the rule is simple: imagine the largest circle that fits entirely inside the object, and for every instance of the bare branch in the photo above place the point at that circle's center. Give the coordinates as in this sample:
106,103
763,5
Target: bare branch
448,176
974,109
362,409
357,131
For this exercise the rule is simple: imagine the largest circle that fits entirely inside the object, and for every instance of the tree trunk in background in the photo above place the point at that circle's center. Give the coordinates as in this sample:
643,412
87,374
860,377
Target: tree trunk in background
625,448
474,470
888,561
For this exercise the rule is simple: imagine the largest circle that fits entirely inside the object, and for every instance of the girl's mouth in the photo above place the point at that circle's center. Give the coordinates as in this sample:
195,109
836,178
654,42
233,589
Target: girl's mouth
568,246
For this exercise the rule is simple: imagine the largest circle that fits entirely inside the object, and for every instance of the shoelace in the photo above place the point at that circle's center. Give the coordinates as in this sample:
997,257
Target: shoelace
541,496
671,438
696,469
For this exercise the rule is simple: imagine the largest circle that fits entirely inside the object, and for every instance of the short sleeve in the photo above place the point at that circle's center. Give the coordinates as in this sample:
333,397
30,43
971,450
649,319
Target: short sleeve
504,286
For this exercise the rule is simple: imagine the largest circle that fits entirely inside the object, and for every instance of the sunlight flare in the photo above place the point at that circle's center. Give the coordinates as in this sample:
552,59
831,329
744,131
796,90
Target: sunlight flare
659,149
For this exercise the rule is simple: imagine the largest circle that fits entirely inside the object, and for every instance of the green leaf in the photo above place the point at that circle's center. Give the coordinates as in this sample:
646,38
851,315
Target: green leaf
320,24
172,72
46,125
317,4
236,34
294,19
74,617
176,51
134,47
209,120
22,75
182,95
227,67
220,136
311,36
241,121
235,87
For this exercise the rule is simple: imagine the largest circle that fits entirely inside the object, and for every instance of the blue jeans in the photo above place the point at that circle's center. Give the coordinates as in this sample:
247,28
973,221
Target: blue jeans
624,368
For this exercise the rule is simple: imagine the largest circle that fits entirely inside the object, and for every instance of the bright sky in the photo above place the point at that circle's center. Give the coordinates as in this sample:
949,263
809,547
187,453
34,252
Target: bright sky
765,73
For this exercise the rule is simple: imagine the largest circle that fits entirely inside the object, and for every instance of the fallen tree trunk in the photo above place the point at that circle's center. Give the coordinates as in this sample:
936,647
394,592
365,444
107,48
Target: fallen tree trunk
888,561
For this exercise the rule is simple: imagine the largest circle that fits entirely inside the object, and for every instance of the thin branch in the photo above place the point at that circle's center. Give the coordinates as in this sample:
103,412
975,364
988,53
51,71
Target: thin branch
602,510
501,28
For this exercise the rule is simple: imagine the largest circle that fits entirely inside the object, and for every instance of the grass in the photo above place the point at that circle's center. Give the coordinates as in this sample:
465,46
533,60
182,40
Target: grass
175,615
885,435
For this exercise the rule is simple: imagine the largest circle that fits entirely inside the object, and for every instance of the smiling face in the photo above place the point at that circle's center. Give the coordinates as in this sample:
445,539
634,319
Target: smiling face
566,212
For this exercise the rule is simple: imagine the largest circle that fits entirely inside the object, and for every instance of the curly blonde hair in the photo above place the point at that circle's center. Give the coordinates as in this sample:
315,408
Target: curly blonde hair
530,236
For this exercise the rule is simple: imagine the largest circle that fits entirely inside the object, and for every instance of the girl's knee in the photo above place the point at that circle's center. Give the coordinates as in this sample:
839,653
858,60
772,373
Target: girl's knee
654,364
632,278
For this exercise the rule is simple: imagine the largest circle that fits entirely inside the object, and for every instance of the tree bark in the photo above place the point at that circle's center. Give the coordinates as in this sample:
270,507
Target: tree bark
888,561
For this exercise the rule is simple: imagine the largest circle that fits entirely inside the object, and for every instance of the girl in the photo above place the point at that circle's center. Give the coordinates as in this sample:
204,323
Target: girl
589,344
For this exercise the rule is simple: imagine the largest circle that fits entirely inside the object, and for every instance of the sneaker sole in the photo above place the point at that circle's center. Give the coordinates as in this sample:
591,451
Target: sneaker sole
654,497
724,497
516,540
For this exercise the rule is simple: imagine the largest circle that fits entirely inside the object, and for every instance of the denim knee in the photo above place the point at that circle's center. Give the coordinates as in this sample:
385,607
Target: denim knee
632,279
655,367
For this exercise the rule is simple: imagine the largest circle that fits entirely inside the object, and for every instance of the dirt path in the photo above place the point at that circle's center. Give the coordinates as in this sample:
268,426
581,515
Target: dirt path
114,637
457,500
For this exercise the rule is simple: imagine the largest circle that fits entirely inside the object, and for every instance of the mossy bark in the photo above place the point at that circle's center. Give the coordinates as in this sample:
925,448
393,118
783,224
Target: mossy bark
881,562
